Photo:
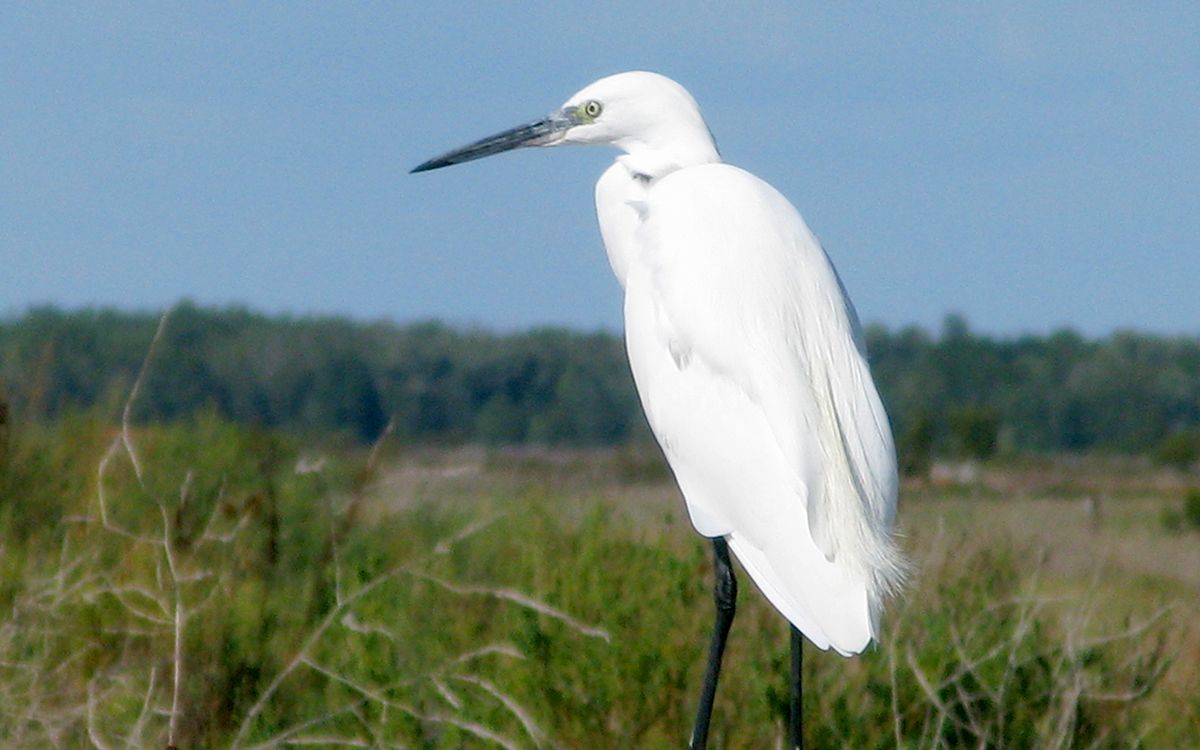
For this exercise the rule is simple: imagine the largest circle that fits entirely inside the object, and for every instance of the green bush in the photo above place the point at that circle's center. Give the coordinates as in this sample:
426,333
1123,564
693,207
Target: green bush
1191,508
307,609
1185,517
1171,520
914,447
976,431
1179,449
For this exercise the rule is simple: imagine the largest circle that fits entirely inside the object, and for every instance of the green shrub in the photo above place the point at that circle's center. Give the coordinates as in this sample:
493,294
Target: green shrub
976,431
1191,509
1186,517
1179,449
302,598
1171,520
914,446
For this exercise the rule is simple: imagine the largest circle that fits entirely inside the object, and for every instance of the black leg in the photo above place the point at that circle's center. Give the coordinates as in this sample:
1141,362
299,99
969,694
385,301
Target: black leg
725,595
796,705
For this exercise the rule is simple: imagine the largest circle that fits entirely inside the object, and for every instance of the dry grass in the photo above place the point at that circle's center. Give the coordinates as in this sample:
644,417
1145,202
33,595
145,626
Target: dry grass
1105,563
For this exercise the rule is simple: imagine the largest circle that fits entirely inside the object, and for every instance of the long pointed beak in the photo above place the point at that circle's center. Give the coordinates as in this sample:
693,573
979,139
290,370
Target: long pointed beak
543,132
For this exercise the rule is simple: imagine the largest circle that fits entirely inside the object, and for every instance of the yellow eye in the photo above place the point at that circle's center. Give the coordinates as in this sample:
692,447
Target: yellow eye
592,109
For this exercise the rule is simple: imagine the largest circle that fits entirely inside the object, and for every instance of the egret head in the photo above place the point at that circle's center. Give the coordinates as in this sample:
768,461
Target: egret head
637,112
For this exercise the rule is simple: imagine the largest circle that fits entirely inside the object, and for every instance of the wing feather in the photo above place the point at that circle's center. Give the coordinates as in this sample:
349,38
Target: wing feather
741,287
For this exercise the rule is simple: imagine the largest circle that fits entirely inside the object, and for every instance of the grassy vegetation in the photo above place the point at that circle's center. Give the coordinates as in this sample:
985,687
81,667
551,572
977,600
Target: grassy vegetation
205,585
201,584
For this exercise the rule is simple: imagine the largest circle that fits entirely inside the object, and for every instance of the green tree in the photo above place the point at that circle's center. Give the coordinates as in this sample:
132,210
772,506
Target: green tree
975,430
1179,449
915,447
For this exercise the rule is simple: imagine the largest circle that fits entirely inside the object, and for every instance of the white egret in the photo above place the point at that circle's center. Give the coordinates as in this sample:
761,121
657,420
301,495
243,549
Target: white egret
750,365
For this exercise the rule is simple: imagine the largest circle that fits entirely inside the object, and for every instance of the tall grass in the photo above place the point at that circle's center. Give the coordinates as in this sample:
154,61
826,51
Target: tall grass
207,585
201,592
225,599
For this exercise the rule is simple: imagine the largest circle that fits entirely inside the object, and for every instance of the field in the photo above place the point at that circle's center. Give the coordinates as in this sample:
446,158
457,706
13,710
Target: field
206,585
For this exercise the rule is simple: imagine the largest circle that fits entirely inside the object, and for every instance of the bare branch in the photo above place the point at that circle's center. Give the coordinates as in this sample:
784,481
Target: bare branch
351,623
518,598
516,709
92,730
284,735
177,652
446,693
327,740
302,655
105,520
134,738
373,456
503,649
443,547
468,726
126,436
478,730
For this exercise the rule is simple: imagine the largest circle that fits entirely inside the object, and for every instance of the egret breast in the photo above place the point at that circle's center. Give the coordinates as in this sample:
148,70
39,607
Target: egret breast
617,197
718,439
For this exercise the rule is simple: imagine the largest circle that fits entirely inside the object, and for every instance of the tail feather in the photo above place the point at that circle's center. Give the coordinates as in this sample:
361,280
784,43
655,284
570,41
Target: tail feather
827,607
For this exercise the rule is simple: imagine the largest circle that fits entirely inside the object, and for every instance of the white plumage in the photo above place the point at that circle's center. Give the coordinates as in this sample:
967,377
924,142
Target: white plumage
750,366
747,356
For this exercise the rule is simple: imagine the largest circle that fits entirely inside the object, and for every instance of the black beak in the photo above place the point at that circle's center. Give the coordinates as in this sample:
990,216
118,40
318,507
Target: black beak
543,132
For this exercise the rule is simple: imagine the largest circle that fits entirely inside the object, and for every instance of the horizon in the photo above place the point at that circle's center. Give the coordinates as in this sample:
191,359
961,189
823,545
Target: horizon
935,332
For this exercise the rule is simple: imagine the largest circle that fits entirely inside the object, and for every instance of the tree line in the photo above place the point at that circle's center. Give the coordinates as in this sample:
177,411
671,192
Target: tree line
953,392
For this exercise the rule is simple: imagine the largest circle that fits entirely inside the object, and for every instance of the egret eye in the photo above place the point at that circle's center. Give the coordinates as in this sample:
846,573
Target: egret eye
592,109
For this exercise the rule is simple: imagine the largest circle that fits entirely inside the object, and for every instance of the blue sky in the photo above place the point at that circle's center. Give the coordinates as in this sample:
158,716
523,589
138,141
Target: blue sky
1027,165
